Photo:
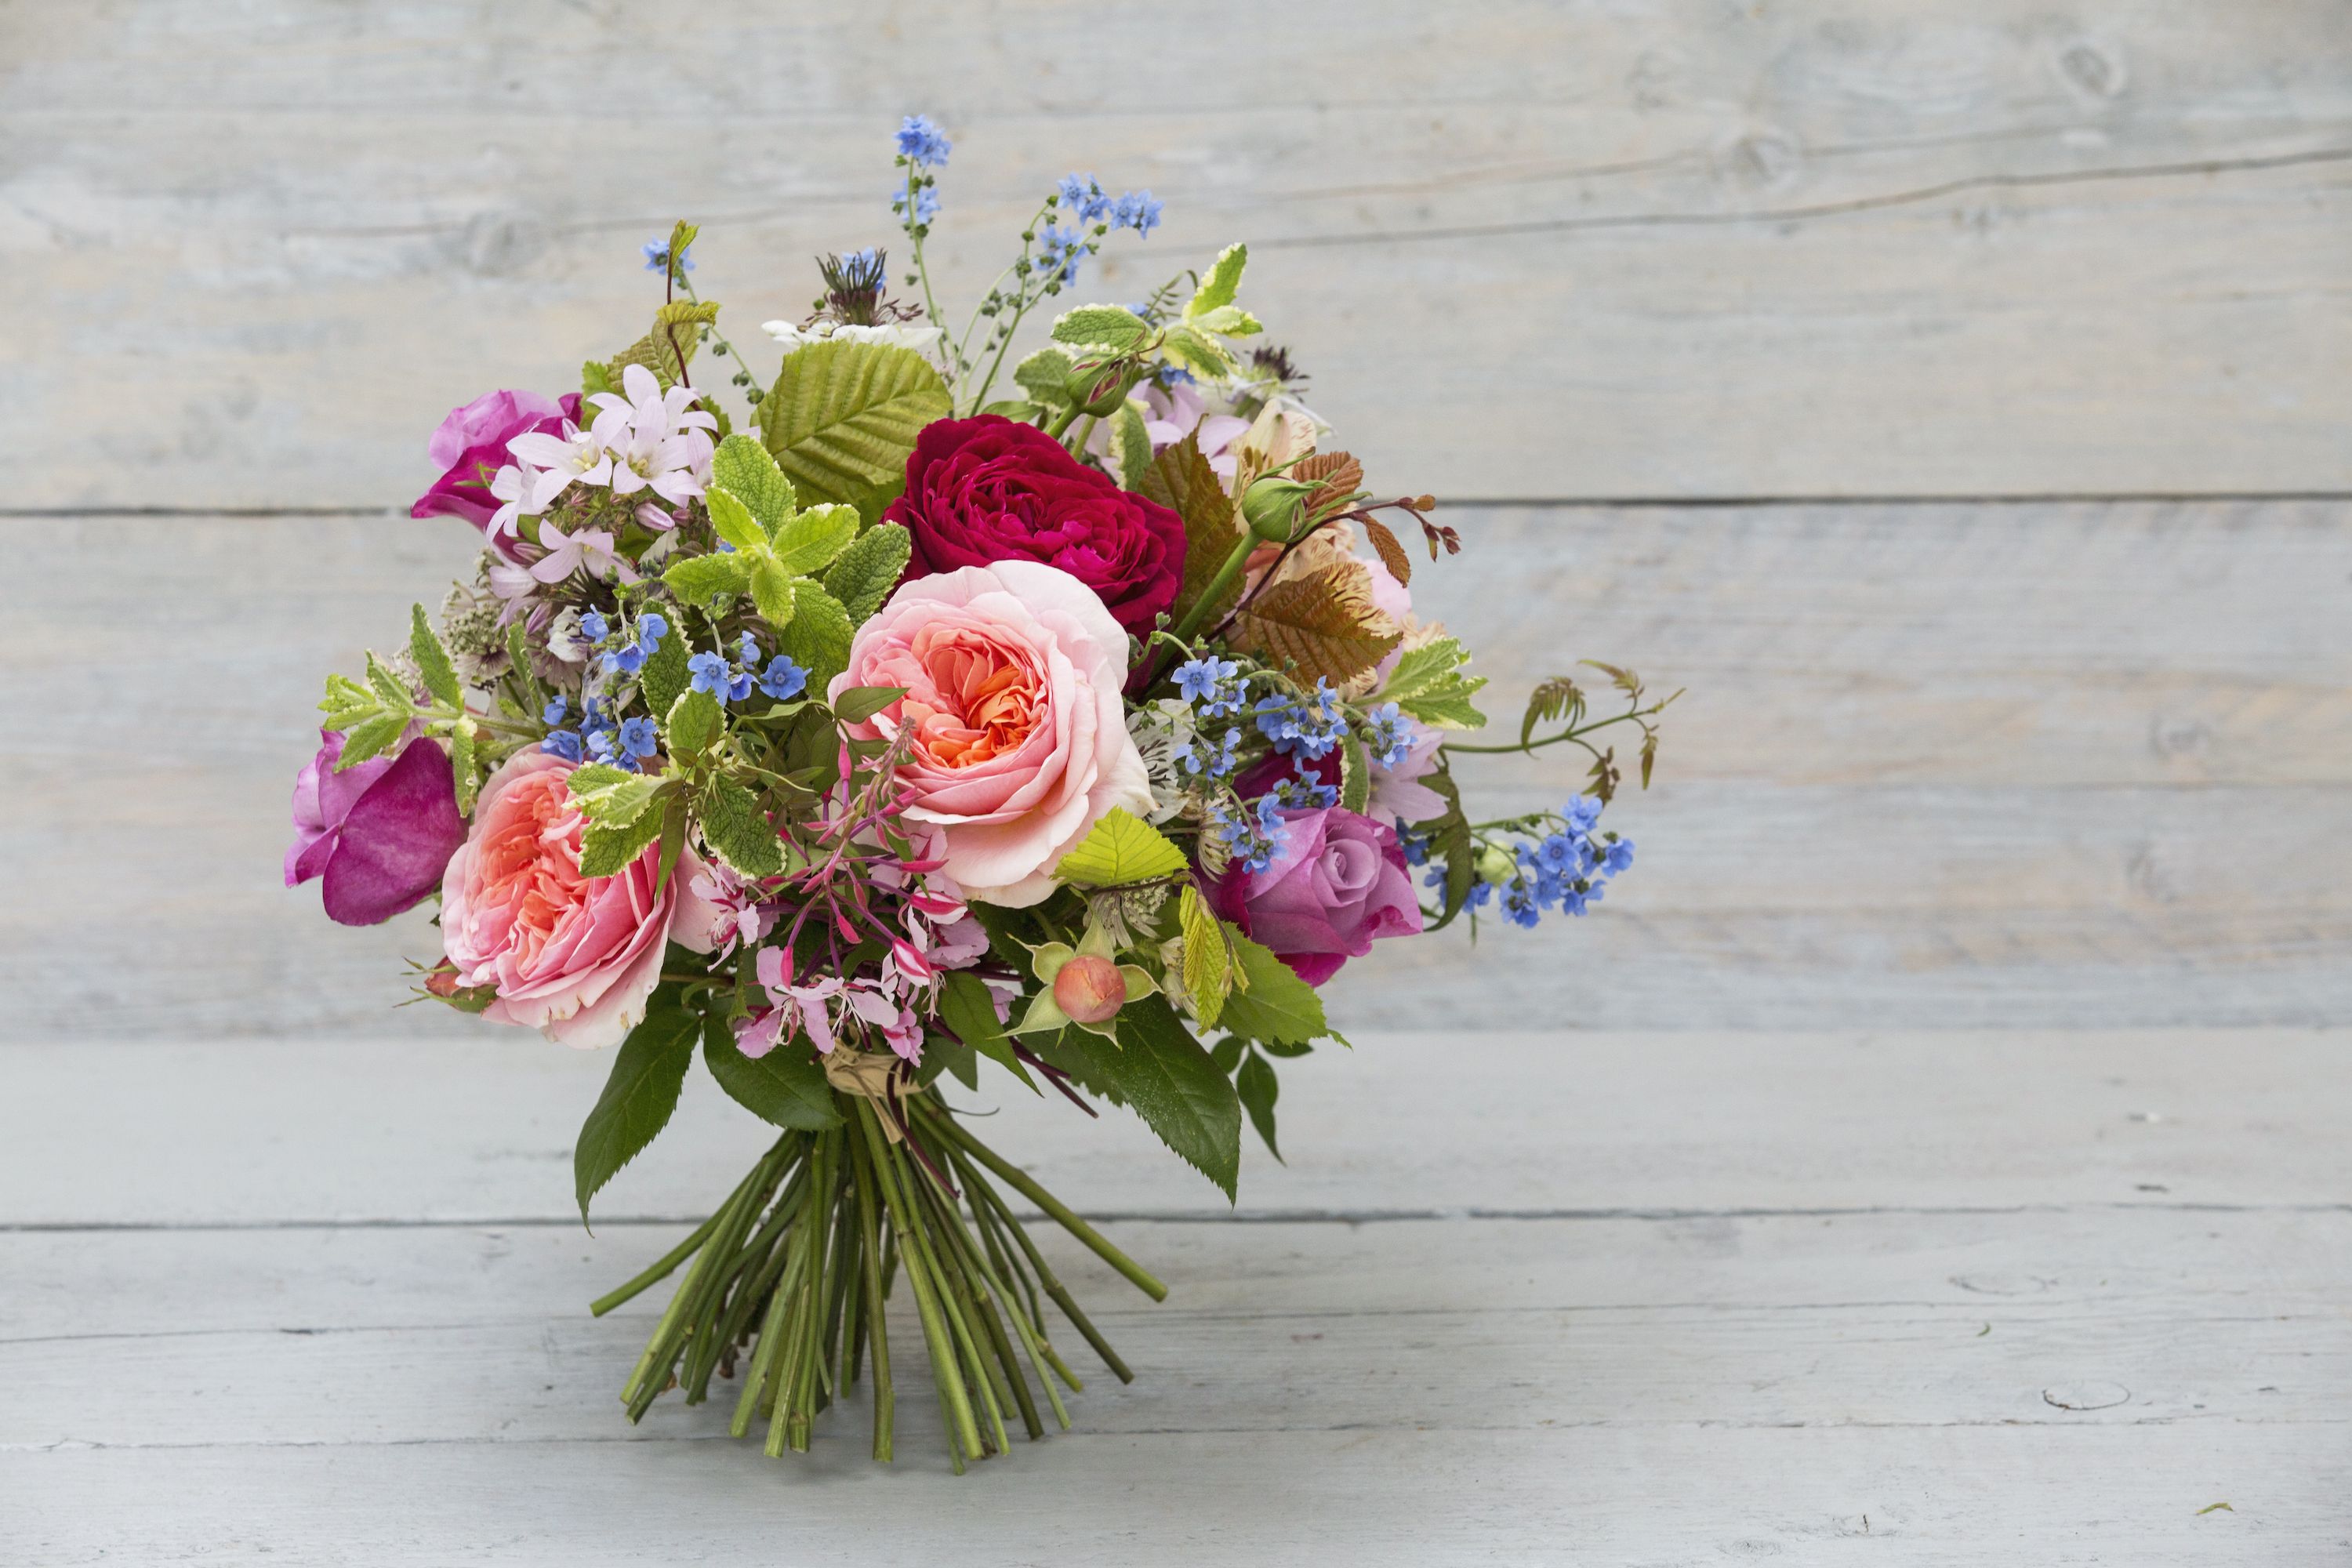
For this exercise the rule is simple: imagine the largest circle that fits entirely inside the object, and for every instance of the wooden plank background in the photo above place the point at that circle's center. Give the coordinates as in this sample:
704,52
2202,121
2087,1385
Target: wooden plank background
1930,1153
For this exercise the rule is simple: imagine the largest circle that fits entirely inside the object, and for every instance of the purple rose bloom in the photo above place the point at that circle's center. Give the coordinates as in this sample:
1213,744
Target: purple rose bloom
380,832
471,447
1339,883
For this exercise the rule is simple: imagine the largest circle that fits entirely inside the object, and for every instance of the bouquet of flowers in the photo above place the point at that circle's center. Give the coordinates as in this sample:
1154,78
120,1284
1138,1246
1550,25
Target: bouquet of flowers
915,725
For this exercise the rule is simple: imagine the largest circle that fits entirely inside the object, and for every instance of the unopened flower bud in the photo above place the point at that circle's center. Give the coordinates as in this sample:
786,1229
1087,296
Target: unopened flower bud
1090,989
1494,865
1275,507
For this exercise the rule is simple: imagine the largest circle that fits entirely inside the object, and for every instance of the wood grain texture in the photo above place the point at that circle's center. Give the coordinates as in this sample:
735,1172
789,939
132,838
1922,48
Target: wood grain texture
1939,765
1659,249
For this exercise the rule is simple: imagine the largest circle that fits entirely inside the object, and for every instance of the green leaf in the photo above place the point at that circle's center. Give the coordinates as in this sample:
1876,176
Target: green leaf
1450,841
607,850
809,542
1160,1070
966,1007
945,1052
595,776
393,690
1133,444
1121,848
732,521
858,703
694,722
596,378
843,417
665,674
734,825
818,637
771,591
1227,320
699,580
615,804
742,468
1355,776
1428,683
638,1098
1107,325
1272,1003
1197,354
677,333
866,573
785,1088
461,763
433,660
372,737
1180,479
1045,376
1257,1089
347,702
1223,282
1208,963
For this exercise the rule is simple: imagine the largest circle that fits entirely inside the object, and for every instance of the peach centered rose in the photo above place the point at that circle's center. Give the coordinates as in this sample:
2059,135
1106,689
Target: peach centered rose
1019,742
572,956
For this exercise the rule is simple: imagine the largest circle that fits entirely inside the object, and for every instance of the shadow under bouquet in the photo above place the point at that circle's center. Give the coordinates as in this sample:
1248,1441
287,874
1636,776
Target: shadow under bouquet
1071,722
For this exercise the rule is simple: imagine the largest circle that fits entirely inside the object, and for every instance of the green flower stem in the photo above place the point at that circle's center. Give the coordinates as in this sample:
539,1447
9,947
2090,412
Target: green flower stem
1061,1298
1575,734
995,1220
661,1270
952,1397
869,1255
763,1361
666,1331
1216,588
978,1268
703,1283
948,1288
1022,1182
1068,418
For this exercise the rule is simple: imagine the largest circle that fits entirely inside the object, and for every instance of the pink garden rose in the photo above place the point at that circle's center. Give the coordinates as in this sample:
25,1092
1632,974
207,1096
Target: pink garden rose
379,832
1338,883
1019,738
570,955
471,447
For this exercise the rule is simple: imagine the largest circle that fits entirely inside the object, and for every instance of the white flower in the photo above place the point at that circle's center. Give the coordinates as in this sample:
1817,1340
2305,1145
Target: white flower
656,440
891,334
591,548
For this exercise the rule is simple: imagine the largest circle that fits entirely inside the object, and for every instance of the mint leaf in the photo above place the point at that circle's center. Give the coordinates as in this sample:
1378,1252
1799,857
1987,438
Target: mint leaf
818,637
786,1088
700,579
607,848
742,468
1045,376
639,1097
1222,281
771,591
694,722
734,825
665,674
808,541
863,574
1107,325
731,520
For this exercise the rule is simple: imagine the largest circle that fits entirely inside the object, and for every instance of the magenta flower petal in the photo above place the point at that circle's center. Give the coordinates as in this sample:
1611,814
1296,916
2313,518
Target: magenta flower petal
396,838
322,798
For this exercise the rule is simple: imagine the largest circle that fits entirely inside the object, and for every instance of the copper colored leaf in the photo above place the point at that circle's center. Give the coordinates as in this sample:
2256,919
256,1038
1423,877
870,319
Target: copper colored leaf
1337,477
1181,479
1324,620
1391,554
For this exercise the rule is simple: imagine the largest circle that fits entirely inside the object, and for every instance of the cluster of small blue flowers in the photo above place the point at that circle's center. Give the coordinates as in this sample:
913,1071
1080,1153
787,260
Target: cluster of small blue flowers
1061,250
1566,869
624,651
927,205
1388,735
781,681
1083,196
1301,732
599,736
1215,685
657,257
1253,837
923,147
1199,755
1304,792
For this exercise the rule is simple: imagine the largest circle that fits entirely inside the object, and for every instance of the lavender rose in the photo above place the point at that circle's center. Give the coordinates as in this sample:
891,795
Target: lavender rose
380,832
1337,885
471,447
988,488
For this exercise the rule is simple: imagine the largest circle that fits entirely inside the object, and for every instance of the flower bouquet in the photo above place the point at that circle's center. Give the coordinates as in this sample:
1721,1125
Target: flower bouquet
913,726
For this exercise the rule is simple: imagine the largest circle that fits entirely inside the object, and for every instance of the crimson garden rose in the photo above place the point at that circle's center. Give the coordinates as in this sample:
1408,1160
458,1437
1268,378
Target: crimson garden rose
988,488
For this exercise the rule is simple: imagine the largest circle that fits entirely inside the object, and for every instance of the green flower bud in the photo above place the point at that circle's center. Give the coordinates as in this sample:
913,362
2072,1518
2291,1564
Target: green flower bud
1495,866
1275,507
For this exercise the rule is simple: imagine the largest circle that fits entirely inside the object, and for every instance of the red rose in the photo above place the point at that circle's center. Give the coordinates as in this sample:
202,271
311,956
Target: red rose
989,488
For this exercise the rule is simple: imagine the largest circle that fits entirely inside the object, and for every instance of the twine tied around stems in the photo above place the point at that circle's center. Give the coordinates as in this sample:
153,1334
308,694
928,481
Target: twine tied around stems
871,1074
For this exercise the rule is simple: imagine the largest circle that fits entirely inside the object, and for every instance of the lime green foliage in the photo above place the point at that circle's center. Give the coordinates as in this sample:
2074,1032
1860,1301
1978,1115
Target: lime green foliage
1208,969
777,546
1429,684
734,825
1270,1003
1110,327
1121,848
373,715
843,417
866,573
639,1097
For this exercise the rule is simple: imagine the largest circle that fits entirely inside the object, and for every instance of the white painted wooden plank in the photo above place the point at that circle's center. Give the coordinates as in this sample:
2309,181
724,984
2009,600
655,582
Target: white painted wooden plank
478,1126
1650,248
1983,765
1944,1496
250,1338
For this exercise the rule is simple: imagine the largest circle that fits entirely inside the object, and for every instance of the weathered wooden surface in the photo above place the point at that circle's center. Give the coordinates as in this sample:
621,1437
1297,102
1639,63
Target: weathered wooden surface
1962,1298
1667,248
1939,765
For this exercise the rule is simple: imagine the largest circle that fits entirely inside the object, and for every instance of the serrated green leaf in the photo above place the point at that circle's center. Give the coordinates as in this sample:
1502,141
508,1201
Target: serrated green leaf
1221,284
1157,1068
1197,353
694,722
1208,965
843,417
1045,376
1120,848
1274,1004
858,703
784,1088
1429,684
866,573
607,850
347,702
462,765
699,580
665,673
818,637
668,348
734,825
771,591
1226,321
1355,776
1255,1085
742,468
731,520
370,738
966,1007
1181,479
810,541
597,378
615,804
640,1096
590,776
1133,444
433,660
390,687
1108,326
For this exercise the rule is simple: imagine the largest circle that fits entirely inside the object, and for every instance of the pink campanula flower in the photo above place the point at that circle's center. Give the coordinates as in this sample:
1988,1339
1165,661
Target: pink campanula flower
379,832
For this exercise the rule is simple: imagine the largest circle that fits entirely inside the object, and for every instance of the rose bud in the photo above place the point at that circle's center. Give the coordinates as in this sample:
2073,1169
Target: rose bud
1274,507
1090,989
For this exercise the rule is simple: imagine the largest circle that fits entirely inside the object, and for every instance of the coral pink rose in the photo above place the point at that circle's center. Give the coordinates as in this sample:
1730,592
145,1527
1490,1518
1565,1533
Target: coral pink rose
1338,883
1018,741
574,956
